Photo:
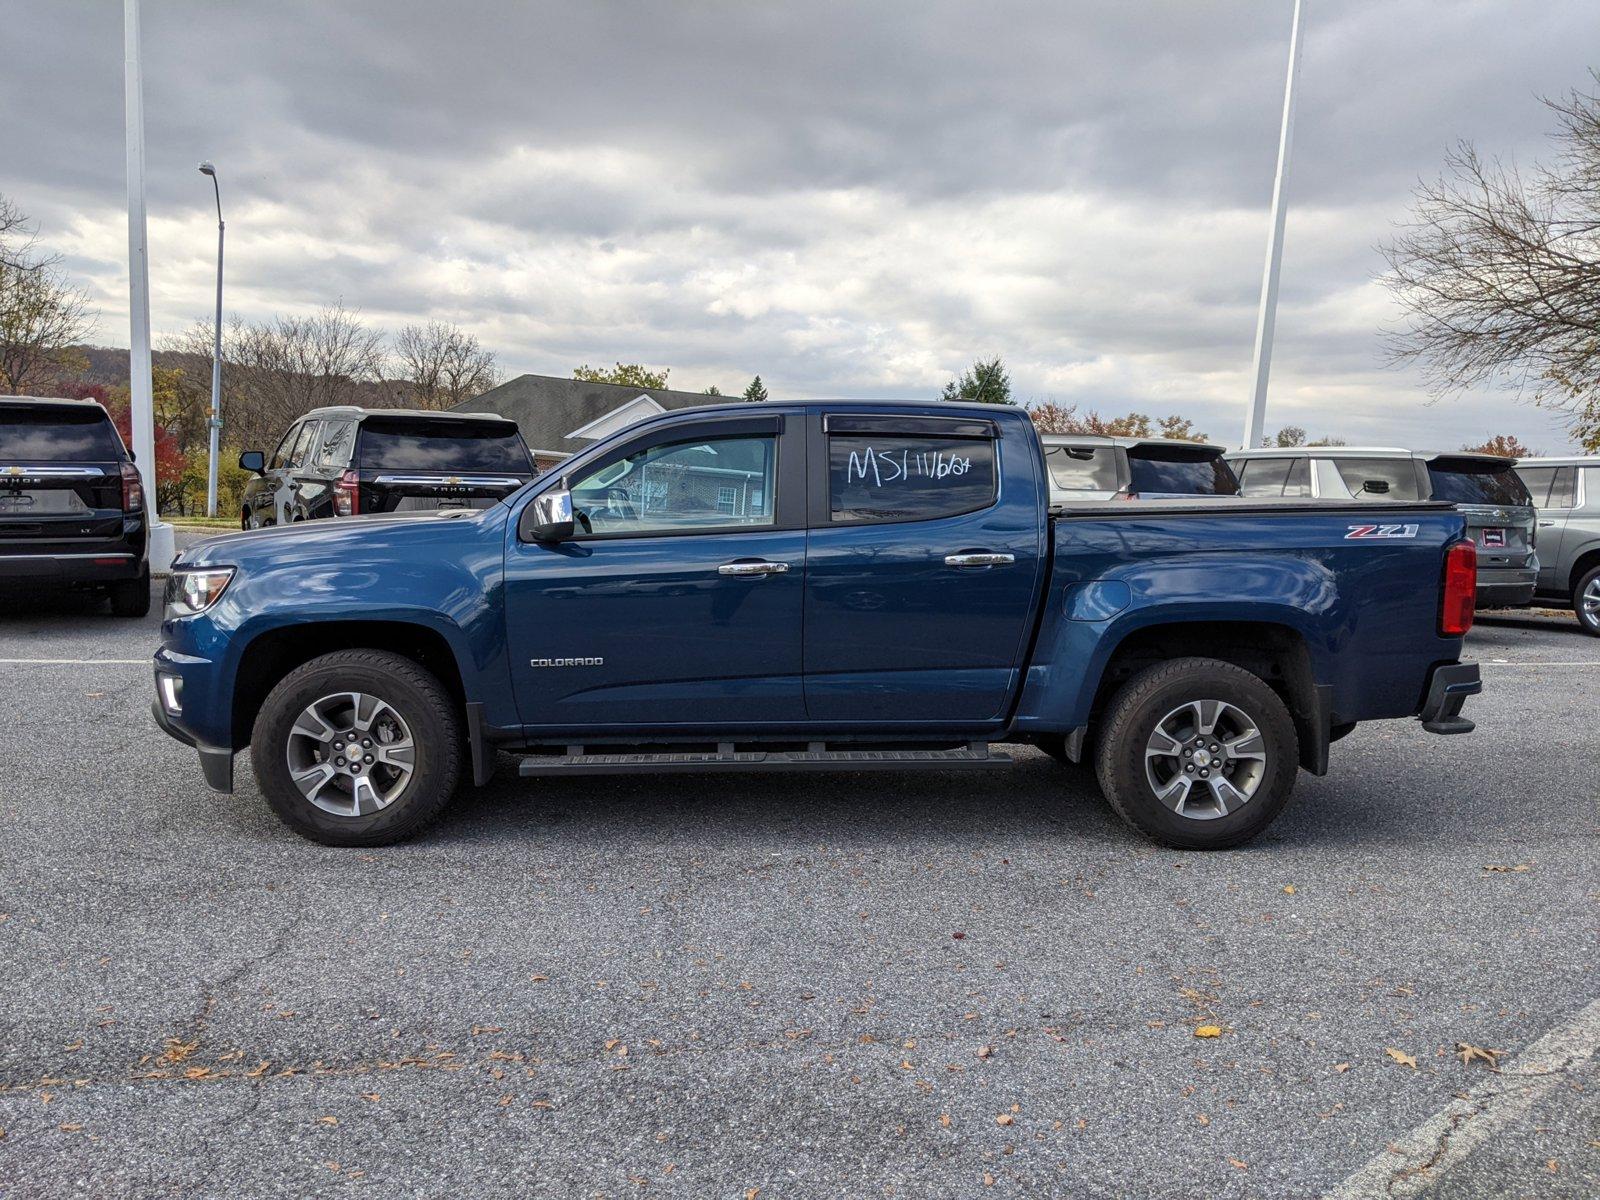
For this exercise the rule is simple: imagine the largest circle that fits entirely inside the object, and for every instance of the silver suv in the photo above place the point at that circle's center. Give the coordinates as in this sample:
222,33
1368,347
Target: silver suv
1566,492
1484,487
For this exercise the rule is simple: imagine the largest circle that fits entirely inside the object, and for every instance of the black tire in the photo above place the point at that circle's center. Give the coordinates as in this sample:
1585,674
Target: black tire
131,597
419,699
1149,698
1588,619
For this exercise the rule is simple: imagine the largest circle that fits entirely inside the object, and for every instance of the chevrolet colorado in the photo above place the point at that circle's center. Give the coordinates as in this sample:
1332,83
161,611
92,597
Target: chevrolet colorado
825,585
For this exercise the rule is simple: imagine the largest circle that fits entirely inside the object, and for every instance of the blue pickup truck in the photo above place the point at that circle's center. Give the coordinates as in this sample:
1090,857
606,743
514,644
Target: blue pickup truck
843,585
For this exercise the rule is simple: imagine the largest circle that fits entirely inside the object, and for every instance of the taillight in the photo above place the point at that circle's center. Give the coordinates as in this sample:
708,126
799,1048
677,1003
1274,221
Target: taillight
1460,589
347,495
132,489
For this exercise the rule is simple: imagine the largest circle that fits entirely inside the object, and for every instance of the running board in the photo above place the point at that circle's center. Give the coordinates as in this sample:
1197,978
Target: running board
577,761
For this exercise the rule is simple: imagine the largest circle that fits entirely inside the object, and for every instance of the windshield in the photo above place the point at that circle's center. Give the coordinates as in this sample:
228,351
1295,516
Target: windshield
56,433
423,444
1476,481
1179,472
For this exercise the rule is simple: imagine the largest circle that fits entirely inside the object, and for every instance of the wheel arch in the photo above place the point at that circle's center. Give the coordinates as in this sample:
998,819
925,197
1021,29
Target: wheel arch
274,653
1275,652
1587,561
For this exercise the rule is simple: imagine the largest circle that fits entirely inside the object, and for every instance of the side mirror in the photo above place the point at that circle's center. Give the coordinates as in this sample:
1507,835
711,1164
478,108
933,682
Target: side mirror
253,460
549,517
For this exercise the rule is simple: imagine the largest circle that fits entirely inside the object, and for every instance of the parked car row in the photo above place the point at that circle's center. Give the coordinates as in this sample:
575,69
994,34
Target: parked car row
72,511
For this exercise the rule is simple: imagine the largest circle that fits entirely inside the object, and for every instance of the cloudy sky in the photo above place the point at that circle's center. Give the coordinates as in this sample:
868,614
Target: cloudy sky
848,198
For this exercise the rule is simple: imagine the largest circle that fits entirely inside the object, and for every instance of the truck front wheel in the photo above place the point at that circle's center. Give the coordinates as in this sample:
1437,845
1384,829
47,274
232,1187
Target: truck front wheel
1198,754
357,748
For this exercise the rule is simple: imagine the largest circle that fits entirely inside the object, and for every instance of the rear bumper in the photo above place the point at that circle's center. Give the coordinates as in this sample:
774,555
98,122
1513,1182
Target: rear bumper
1449,685
1506,587
105,566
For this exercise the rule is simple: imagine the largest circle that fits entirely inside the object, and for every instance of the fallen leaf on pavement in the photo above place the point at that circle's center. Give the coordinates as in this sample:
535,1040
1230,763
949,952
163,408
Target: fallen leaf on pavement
1208,1031
1504,869
1234,1162
1466,1052
1341,1068
1401,1057
985,1051
1005,1119
1288,889
328,1120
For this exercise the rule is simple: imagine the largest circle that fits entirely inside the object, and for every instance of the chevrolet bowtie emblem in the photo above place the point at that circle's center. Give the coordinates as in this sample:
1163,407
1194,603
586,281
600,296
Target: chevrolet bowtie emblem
452,479
13,470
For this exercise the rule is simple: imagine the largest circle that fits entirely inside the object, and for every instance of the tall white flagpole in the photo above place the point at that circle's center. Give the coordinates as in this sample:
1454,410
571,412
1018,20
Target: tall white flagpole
1266,319
139,381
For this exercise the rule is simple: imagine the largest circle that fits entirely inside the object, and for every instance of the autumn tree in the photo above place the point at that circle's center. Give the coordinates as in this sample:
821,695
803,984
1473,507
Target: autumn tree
1289,435
443,364
756,391
1498,272
42,314
1051,417
1506,445
626,374
986,382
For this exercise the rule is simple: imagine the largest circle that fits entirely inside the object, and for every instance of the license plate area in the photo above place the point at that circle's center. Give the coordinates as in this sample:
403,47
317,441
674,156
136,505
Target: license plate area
1492,538
42,502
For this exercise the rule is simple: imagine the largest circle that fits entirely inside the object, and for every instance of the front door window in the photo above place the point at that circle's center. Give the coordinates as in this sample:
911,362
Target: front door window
682,487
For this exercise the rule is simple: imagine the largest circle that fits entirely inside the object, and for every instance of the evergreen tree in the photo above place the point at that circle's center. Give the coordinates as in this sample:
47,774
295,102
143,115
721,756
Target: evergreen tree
756,392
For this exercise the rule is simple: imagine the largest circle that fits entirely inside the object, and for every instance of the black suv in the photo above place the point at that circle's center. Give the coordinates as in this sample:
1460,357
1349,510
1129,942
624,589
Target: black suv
72,509
345,462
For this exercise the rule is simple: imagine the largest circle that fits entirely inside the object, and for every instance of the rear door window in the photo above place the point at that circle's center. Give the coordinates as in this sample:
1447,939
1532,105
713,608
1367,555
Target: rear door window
1379,479
1180,472
1086,469
58,434
908,477
335,451
1475,481
302,445
424,444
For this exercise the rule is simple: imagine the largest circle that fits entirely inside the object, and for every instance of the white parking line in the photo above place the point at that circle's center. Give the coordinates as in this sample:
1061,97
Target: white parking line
1424,1156
74,662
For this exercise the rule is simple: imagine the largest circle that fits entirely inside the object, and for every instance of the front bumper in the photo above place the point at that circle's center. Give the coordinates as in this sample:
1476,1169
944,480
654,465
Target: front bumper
1448,689
216,763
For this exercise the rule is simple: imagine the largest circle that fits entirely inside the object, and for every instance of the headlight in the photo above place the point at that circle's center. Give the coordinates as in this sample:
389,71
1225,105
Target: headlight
193,591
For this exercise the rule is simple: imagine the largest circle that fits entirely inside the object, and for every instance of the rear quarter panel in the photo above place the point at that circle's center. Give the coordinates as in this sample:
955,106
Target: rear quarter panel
1366,609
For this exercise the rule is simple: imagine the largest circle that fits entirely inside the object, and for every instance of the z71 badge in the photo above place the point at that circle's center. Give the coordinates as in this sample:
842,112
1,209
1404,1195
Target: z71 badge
1375,532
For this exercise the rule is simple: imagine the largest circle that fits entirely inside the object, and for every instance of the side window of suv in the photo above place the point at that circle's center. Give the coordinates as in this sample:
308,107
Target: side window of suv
302,445
701,486
908,477
280,456
336,443
1379,479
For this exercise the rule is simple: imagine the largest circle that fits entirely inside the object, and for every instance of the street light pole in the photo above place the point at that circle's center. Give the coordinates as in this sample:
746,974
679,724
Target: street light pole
1267,318
216,354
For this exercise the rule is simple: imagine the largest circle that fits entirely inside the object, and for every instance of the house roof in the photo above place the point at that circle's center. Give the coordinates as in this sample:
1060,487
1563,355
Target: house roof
548,410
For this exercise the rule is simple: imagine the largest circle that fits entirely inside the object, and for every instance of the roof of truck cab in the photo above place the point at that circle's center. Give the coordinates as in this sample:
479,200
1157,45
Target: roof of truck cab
1561,460
1364,452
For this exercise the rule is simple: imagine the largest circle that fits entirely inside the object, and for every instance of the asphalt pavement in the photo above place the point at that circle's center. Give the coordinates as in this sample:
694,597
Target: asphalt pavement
775,986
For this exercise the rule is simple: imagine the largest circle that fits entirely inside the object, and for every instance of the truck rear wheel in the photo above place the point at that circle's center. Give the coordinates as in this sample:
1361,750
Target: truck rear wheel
131,597
1586,602
357,748
1198,754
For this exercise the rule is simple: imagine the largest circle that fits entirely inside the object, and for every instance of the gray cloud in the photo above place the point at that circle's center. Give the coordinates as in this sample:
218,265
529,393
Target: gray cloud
847,198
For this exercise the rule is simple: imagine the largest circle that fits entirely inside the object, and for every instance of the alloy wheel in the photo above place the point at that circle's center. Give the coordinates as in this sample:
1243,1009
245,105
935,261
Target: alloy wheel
1205,759
351,754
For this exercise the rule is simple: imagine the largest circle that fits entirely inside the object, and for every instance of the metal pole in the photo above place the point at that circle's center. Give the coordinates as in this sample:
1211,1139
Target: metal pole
139,383
1268,316
216,355
142,402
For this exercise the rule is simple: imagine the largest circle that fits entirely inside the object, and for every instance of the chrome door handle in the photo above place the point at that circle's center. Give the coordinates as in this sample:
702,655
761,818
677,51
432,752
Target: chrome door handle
1546,524
753,568
979,560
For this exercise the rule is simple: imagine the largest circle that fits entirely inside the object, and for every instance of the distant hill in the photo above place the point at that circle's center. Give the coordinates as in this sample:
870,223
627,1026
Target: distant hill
108,365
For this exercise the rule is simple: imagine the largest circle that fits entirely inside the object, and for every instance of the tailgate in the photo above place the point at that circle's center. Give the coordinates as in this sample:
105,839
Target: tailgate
49,501
420,491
